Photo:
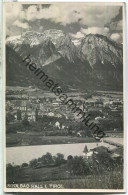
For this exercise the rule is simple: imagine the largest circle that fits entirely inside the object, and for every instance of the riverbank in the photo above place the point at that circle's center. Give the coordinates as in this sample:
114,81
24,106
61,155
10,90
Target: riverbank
13,140
115,141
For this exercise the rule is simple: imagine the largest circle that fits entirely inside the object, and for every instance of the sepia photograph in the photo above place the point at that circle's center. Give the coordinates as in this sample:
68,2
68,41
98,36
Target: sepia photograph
64,66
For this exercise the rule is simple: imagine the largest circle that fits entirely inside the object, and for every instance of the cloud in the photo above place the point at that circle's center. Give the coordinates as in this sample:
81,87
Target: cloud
116,26
92,30
120,24
13,12
66,14
31,13
14,18
93,19
77,35
21,24
95,30
115,36
76,42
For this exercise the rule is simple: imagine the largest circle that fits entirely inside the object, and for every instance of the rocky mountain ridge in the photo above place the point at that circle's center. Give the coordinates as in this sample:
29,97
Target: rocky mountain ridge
97,62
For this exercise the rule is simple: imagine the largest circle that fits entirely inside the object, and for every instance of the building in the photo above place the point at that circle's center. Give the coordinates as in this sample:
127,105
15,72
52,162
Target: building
87,154
20,105
57,124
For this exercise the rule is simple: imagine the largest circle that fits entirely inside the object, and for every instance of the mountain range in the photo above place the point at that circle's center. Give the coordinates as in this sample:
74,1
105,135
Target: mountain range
93,62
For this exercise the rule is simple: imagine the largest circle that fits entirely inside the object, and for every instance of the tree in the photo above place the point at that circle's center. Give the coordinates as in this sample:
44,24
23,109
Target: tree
19,115
25,121
14,127
70,163
10,172
9,165
24,165
47,158
70,157
33,163
70,130
36,112
9,117
85,149
59,159
78,166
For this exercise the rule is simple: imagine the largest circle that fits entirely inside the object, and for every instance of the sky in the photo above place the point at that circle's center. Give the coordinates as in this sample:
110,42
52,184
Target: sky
75,19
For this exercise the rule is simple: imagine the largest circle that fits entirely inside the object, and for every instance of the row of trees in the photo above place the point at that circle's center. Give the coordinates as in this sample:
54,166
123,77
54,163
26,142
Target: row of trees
46,159
96,164
73,166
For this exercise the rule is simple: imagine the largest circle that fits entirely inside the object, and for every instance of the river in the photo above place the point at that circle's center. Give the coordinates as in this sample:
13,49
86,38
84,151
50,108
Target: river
22,154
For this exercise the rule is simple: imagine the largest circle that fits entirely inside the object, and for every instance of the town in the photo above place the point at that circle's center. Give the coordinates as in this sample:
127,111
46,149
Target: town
32,112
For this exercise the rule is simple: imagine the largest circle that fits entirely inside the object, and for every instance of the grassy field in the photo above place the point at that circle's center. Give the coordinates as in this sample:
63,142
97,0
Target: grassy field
90,182
14,139
59,176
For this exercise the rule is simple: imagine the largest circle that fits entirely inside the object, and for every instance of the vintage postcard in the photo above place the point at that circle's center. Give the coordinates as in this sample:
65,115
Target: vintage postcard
64,97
